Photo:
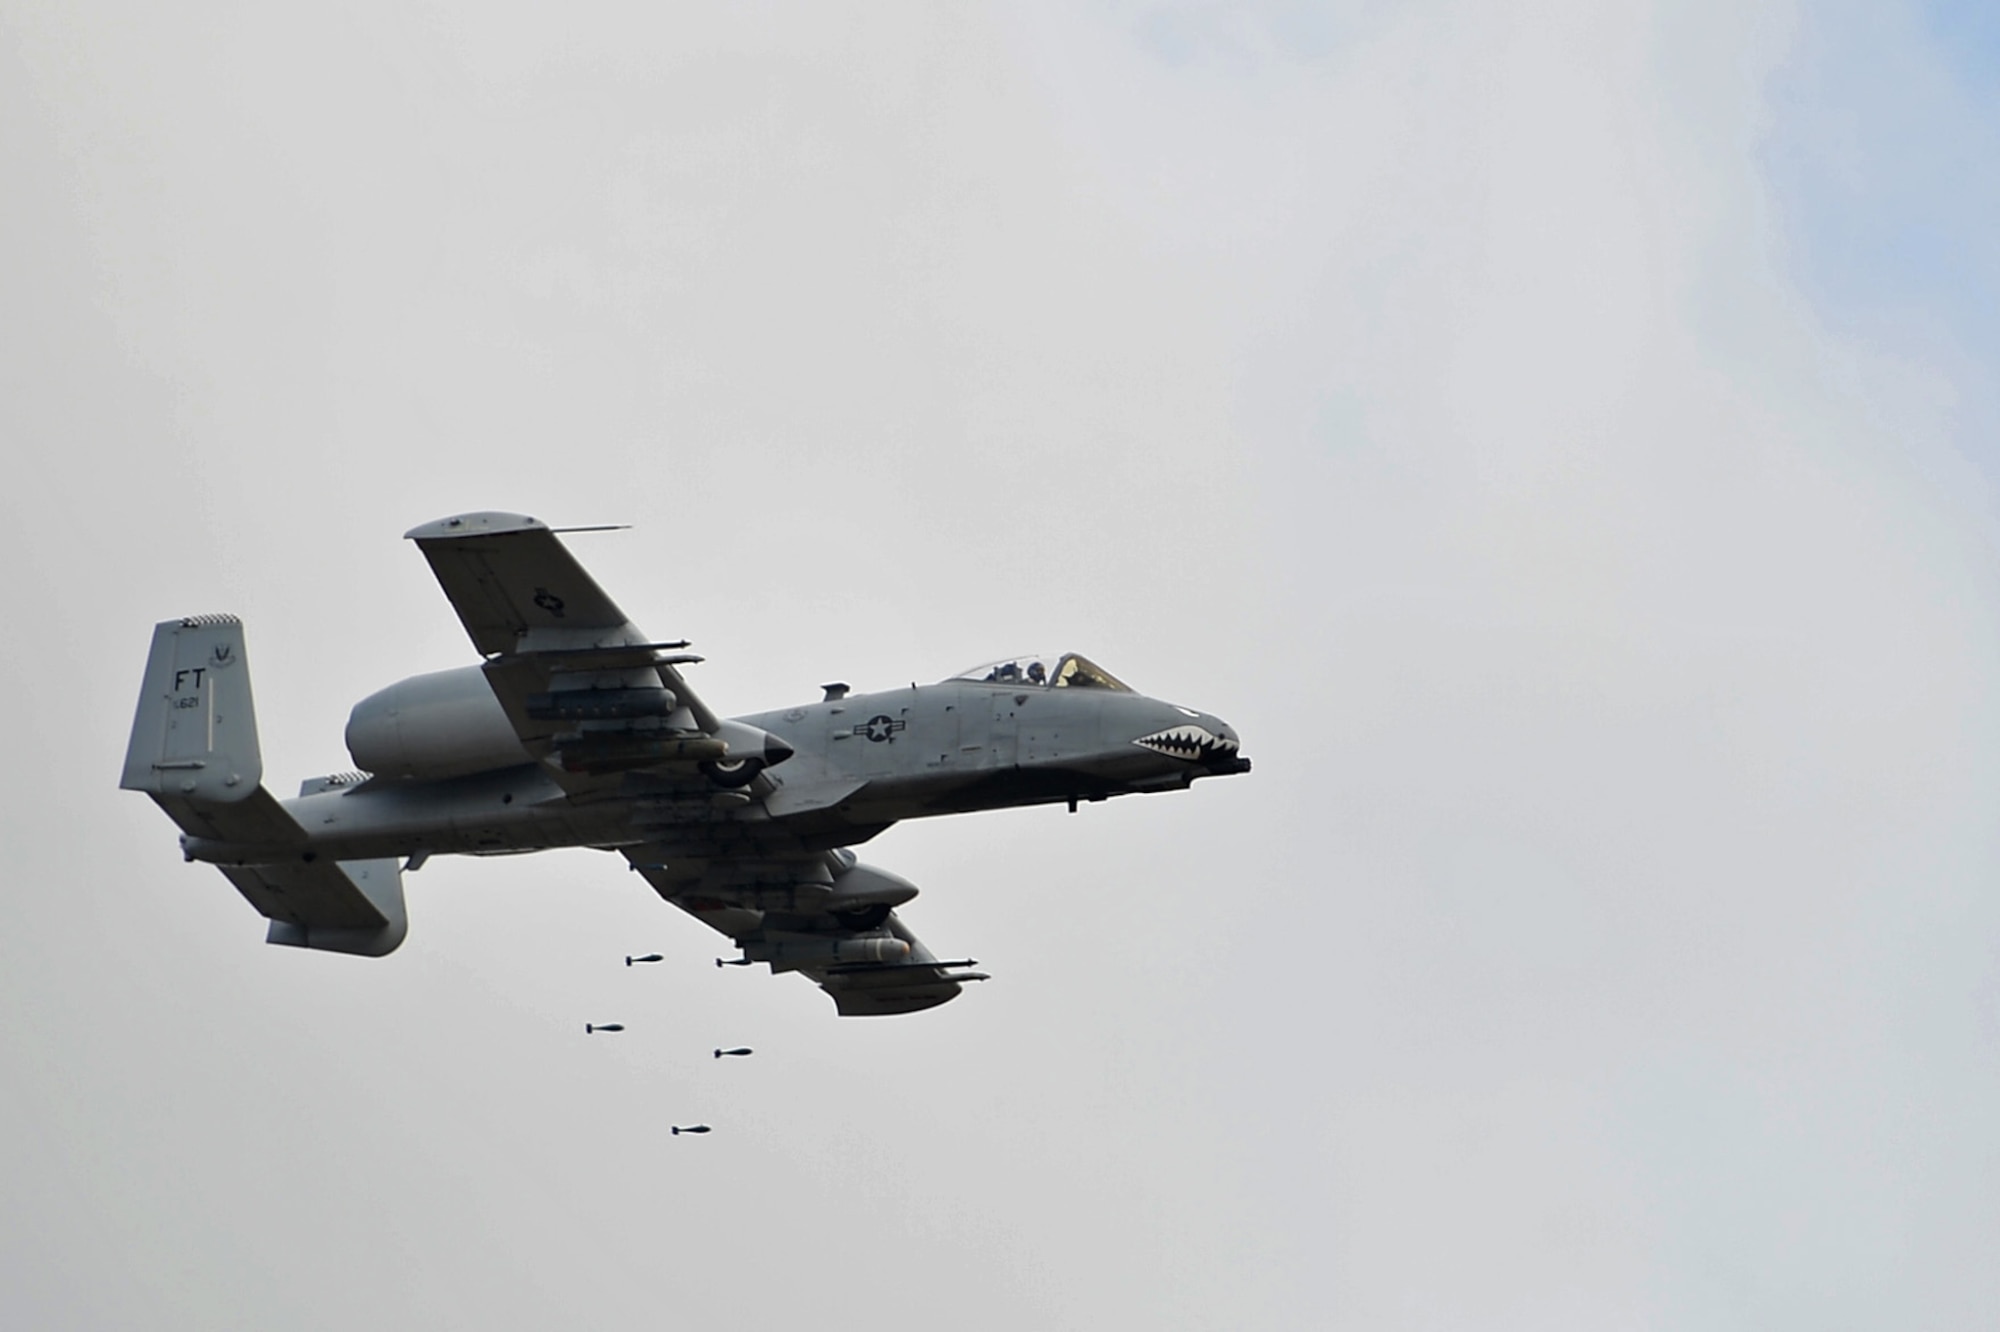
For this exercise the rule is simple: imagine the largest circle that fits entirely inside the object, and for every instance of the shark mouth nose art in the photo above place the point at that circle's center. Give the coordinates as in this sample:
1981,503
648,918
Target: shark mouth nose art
1193,743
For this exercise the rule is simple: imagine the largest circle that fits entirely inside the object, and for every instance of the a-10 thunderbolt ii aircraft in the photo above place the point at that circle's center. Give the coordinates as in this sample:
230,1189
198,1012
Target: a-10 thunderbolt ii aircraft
577,729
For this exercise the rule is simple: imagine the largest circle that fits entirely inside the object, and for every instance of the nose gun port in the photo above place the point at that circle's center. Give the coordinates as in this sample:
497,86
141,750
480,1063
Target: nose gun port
1227,756
1225,764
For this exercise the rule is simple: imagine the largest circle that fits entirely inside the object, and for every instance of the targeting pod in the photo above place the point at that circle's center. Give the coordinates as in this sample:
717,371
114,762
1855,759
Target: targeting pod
691,1128
650,957
739,1050
589,1028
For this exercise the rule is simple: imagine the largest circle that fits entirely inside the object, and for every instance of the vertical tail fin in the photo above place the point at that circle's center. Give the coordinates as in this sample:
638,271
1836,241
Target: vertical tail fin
195,736
194,739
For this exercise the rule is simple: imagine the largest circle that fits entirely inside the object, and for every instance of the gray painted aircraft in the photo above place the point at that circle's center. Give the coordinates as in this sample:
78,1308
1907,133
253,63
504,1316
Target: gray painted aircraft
577,729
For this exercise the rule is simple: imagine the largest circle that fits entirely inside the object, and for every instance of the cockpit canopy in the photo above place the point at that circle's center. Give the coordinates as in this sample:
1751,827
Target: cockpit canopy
1047,670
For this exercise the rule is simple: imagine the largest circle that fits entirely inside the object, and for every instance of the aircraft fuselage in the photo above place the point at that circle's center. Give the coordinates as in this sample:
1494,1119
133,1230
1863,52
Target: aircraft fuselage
858,763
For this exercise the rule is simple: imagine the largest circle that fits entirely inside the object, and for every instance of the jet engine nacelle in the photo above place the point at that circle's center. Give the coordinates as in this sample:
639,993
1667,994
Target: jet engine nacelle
445,724
448,724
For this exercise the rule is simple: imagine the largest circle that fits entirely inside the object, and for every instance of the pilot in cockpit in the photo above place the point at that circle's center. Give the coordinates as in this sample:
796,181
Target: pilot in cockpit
1070,671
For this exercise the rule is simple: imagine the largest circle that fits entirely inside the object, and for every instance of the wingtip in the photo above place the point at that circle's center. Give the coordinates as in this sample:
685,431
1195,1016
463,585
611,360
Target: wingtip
484,523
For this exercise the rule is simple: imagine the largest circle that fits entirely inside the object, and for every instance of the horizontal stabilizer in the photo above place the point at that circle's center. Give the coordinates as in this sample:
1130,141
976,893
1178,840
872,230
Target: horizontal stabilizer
351,906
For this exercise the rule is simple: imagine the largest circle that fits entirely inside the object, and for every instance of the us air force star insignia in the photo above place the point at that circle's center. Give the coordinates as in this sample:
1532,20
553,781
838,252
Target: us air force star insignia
880,727
549,602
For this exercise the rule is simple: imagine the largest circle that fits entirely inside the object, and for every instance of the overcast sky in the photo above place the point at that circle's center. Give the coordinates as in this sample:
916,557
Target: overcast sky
1559,437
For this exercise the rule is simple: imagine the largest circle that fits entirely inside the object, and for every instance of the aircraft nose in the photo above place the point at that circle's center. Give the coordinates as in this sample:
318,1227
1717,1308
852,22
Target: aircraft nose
1206,741
1228,755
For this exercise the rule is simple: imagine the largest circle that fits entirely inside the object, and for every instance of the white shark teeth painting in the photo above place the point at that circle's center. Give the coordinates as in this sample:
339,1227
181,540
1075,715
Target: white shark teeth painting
1187,742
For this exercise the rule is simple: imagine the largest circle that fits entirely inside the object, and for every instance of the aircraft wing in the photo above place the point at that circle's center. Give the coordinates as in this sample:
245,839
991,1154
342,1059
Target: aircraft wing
547,630
589,694
774,909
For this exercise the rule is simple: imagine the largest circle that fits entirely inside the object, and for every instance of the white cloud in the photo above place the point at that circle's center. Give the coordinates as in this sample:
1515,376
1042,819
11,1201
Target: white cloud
1600,939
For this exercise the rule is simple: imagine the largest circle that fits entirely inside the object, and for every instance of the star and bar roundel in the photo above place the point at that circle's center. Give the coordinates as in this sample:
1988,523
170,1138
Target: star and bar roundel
880,727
